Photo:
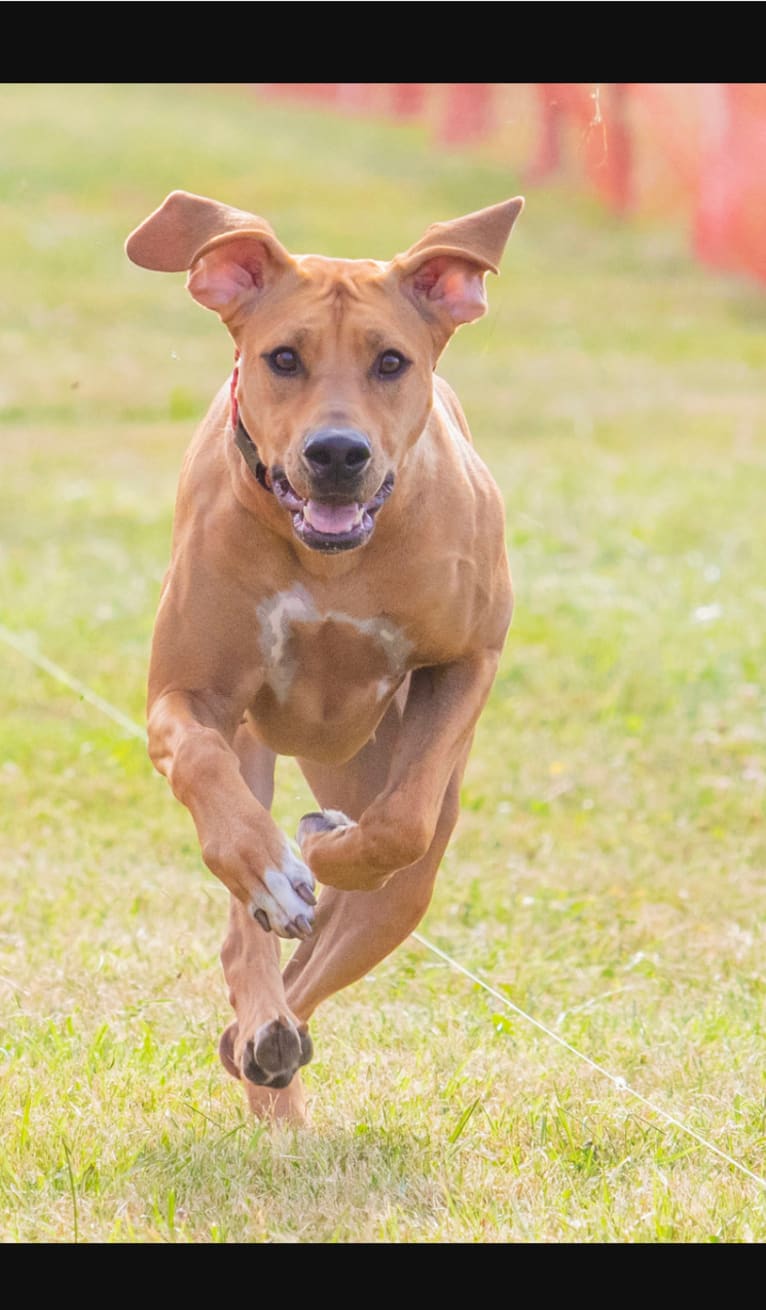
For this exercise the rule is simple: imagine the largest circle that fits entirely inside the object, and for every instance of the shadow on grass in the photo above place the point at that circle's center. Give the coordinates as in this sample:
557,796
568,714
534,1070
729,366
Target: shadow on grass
255,1182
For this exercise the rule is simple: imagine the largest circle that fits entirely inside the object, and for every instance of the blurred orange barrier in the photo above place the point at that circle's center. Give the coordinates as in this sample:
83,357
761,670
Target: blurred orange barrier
730,217
693,148
605,135
468,113
408,99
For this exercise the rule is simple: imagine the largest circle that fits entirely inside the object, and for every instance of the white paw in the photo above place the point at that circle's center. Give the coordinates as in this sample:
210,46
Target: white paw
285,903
338,819
322,821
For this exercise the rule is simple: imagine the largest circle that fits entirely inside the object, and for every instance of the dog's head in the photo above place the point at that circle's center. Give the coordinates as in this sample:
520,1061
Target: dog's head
336,355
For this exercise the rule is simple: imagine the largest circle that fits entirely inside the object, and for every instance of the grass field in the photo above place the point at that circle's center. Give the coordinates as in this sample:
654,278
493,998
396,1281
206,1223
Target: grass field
608,870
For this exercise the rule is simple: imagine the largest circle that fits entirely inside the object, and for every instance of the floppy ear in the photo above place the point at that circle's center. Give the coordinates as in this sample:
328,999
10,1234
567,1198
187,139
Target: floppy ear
443,273
231,255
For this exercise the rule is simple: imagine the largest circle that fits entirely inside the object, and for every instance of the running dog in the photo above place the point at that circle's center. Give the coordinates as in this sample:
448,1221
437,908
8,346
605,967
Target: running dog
338,591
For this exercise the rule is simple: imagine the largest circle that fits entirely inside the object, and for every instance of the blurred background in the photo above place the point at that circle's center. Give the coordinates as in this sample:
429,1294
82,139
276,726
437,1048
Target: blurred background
688,150
609,865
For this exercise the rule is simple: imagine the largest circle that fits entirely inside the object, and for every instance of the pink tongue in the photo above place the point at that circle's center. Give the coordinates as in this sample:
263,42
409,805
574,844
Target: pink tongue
330,518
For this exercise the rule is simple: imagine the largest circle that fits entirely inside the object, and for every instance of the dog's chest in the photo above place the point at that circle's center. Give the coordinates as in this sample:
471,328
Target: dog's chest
326,668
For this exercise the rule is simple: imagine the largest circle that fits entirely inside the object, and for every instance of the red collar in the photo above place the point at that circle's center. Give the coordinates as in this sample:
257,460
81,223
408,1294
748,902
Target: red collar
233,392
242,438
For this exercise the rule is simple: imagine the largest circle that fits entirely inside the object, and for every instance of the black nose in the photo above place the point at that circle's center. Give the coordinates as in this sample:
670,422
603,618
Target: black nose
336,455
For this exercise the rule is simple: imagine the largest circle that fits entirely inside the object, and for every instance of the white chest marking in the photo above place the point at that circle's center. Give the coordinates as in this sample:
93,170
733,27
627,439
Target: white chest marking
277,616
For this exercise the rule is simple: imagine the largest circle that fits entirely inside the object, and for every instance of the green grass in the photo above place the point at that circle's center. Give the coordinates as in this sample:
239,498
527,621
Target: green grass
608,870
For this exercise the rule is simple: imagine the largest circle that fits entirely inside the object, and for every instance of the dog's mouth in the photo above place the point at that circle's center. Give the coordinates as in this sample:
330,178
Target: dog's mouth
330,525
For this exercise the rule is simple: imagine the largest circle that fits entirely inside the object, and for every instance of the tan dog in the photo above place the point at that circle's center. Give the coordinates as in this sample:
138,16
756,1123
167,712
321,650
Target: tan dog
338,591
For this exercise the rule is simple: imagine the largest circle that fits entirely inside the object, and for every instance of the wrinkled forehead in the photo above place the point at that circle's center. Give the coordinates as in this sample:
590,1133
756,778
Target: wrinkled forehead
322,268
330,296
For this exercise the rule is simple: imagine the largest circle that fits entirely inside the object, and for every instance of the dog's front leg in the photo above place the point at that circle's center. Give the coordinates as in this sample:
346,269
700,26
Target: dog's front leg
398,827
241,844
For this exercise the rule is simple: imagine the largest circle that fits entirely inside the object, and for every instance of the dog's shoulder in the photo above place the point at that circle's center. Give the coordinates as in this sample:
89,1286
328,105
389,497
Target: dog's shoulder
451,435
448,407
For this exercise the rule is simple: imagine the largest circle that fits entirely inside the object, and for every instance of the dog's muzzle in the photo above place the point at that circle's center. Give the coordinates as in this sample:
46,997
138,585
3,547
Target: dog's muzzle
335,460
332,521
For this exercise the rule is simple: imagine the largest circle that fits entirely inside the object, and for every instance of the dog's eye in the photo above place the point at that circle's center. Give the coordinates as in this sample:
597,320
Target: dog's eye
283,360
390,363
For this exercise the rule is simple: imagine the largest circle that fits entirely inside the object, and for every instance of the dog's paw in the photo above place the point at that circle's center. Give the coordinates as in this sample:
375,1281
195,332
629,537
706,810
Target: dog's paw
275,1054
286,902
337,849
322,821
271,1058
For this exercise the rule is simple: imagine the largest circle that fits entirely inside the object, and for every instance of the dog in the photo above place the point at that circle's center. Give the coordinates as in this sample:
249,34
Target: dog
338,591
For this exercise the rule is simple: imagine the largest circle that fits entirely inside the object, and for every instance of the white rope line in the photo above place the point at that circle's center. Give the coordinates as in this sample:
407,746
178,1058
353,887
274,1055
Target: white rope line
618,1082
74,684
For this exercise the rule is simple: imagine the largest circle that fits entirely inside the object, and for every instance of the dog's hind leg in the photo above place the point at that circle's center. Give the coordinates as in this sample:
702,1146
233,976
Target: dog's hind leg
266,1044
357,929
